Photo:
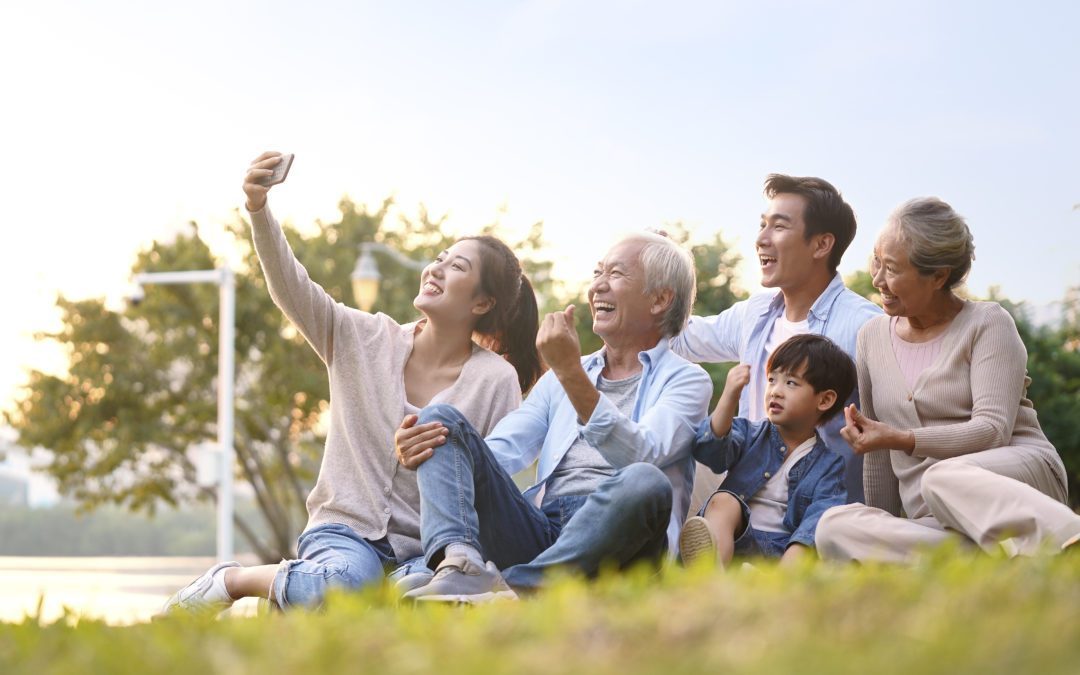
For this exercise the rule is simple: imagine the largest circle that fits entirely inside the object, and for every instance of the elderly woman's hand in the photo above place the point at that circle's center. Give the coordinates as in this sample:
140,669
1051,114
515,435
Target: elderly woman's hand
261,167
866,435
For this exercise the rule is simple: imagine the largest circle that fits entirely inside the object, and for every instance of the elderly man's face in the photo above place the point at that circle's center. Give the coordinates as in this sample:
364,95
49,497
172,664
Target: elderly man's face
617,294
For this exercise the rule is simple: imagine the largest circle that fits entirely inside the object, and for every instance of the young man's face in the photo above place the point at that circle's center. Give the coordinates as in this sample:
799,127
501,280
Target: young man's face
791,402
786,257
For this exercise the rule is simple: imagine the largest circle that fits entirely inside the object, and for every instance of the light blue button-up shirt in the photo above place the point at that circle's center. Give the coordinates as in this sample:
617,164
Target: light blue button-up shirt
739,334
672,400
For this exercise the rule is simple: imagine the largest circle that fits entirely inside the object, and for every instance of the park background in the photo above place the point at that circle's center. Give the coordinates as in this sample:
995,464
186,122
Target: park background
127,128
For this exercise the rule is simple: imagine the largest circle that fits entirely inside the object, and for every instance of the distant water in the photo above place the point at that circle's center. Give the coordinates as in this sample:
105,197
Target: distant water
117,590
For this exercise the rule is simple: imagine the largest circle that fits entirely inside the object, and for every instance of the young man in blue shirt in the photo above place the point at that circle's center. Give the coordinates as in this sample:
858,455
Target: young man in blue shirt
804,231
781,477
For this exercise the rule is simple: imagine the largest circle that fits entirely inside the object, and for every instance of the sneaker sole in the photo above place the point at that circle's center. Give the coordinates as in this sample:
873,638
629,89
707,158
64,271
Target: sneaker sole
696,542
478,599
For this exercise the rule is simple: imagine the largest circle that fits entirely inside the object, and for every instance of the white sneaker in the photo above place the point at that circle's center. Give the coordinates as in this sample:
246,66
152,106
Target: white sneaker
203,595
1071,544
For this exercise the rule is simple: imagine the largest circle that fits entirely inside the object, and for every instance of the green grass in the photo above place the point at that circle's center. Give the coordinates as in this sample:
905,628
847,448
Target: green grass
953,613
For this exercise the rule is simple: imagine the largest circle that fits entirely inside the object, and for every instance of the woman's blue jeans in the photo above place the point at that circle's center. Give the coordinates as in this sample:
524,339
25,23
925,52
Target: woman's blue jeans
335,556
467,498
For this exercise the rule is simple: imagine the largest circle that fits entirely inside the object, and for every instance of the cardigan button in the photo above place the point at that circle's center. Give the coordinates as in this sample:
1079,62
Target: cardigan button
909,396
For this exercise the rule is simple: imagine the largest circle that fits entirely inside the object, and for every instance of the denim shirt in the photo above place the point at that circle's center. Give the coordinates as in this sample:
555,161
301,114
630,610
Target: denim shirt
739,334
672,399
753,451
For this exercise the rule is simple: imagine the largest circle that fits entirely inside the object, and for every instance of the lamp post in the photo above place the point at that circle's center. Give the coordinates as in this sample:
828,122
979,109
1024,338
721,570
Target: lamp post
365,276
226,283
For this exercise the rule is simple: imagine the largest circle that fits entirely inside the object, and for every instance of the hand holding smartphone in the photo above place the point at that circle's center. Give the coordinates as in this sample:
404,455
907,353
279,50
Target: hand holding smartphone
281,170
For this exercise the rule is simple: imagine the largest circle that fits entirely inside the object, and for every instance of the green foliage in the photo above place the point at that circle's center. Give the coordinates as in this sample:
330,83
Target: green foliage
716,264
141,386
1054,368
862,283
953,613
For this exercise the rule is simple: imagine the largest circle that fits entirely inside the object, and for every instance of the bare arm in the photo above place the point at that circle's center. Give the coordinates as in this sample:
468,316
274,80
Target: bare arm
728,405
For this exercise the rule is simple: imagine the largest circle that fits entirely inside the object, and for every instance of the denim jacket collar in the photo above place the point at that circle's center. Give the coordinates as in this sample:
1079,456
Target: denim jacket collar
795,473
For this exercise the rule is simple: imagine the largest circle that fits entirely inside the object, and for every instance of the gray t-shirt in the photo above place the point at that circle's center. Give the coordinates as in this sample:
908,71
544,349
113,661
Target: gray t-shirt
583,468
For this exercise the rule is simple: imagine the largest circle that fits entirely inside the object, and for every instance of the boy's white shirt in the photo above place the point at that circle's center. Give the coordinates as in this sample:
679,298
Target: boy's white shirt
769,506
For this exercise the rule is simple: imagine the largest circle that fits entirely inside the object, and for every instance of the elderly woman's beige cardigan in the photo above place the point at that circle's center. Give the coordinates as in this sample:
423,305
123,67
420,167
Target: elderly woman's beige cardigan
971,398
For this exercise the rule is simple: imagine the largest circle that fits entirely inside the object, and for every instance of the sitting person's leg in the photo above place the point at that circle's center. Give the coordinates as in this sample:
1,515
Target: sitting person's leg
1002,499
625,520
856,532
330,555
471,511
467,498
713,532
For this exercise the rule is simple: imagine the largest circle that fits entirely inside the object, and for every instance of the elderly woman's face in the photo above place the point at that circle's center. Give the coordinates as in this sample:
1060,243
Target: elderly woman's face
904,290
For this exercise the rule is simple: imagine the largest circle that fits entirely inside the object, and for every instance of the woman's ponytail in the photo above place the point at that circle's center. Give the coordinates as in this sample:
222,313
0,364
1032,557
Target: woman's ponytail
509,329
519,335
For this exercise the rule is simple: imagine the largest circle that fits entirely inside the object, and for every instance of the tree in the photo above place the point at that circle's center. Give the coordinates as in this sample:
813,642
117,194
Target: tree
140,392
1054,368
862,282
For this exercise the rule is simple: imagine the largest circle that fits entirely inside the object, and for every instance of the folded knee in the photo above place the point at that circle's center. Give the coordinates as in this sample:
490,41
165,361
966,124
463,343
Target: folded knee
643,481
440,412
835,526
939,478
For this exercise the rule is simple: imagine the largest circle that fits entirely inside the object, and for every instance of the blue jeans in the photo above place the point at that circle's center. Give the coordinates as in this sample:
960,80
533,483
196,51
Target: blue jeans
751,542
467,498
335,556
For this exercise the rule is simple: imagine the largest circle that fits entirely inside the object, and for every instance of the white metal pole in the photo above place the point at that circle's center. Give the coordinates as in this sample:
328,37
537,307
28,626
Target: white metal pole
226,387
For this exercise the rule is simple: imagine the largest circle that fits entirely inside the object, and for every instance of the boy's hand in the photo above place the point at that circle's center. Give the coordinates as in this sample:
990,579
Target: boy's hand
415,443
737,378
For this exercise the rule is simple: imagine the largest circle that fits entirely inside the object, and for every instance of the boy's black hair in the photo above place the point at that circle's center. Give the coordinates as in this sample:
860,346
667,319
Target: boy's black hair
819,361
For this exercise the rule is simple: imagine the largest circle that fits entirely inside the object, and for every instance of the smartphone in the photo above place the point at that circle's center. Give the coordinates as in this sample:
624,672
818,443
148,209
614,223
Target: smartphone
281,170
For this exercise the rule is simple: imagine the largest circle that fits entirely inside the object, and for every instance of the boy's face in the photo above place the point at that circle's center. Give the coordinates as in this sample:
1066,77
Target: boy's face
791,402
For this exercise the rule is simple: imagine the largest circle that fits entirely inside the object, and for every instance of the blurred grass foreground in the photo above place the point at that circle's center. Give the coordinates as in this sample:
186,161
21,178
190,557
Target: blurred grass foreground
952,613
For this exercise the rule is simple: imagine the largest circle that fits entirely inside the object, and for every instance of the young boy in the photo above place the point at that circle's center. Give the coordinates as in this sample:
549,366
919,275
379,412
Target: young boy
780,475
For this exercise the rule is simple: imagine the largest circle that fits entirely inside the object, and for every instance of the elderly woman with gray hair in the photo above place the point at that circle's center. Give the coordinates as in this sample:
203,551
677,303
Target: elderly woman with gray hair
950,439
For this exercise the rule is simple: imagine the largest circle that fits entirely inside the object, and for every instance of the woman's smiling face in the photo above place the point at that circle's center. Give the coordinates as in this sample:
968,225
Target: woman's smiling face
450,284
904,290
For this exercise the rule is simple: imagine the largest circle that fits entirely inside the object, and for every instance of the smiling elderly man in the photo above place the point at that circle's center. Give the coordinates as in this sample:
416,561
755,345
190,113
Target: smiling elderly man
612,432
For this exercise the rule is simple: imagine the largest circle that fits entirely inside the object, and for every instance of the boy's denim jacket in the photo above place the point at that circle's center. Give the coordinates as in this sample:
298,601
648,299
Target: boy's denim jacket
752,452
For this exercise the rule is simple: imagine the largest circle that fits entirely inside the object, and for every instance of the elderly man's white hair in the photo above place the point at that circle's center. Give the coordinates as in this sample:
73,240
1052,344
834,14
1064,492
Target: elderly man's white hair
667,265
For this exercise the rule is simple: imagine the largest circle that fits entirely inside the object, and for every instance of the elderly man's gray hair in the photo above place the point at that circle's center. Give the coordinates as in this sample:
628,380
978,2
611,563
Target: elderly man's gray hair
668,265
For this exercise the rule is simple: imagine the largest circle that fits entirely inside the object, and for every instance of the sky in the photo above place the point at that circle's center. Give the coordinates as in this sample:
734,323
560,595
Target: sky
123,121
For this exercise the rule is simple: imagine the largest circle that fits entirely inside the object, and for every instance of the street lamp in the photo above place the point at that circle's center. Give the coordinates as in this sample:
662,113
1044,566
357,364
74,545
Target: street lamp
226,283
365,276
